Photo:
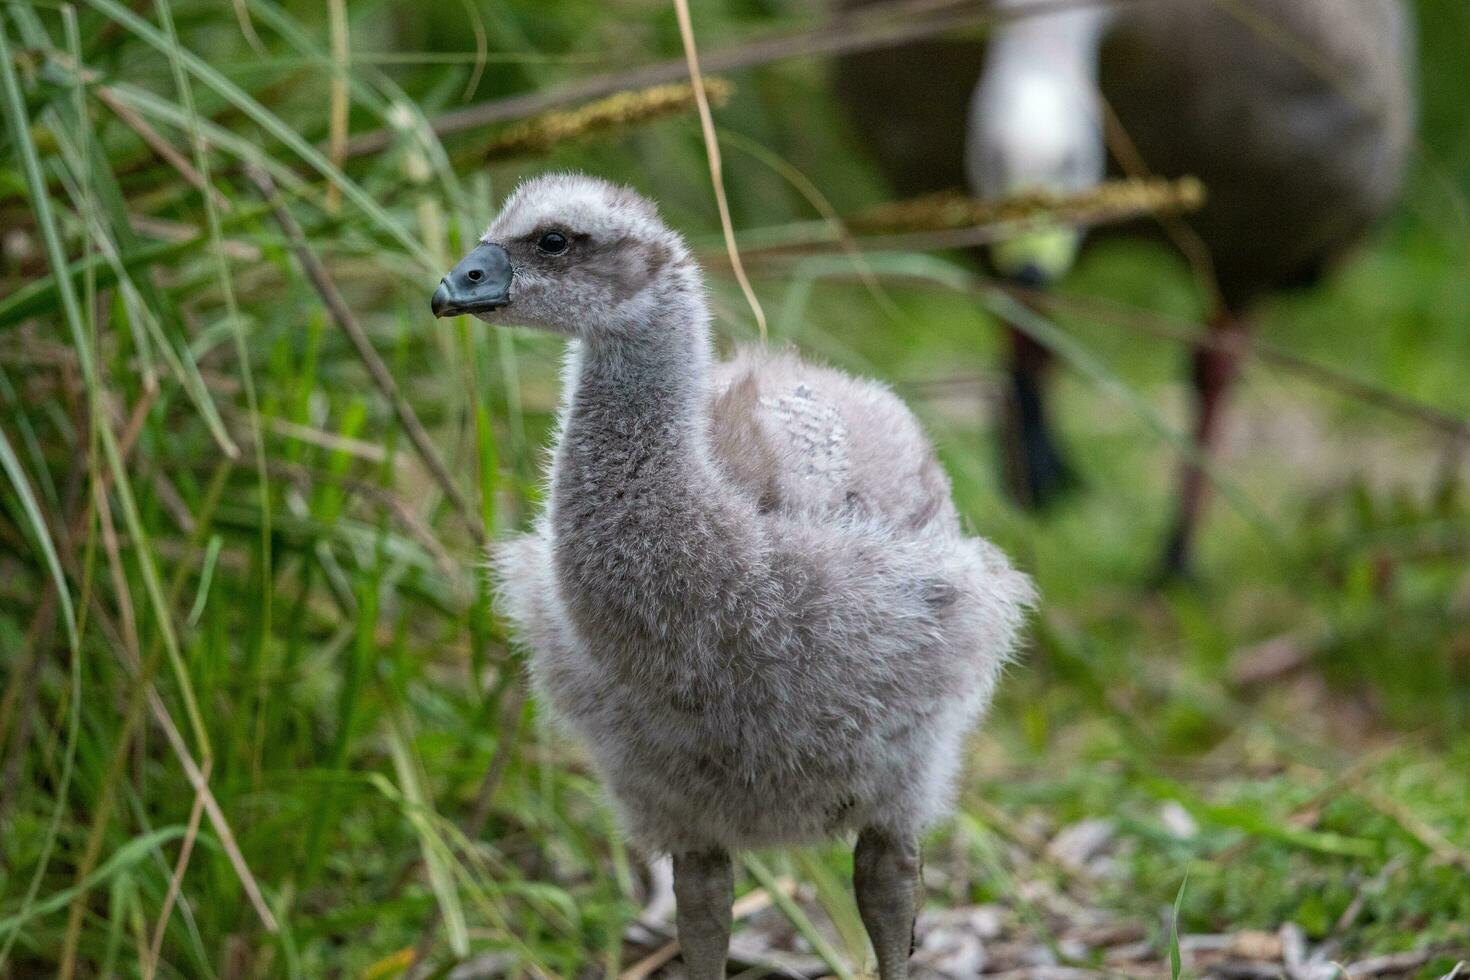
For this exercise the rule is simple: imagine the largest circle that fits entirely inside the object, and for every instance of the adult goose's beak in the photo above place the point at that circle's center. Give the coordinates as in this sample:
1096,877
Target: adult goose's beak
1038,258
480,283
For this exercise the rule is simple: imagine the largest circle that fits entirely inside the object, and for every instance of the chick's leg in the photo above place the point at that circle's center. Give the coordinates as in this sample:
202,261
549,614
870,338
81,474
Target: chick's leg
704,887
885,876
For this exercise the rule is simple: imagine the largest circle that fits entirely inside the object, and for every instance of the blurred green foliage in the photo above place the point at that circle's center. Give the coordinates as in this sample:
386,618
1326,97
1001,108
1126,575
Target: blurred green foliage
326,605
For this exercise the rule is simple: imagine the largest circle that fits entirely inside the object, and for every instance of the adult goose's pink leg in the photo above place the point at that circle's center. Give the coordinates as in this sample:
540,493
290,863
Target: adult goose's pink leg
1215,367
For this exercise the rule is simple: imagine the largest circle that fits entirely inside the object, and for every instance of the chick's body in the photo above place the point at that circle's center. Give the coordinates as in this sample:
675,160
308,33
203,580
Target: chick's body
816,679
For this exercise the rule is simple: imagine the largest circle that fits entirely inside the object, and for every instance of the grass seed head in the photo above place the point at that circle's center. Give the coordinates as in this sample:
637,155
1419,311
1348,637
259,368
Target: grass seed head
632,107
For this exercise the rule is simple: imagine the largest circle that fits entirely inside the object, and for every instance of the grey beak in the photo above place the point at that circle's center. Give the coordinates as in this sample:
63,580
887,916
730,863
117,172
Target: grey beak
481,282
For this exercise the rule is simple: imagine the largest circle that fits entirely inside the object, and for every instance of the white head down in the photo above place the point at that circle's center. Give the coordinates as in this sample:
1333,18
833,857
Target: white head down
572,254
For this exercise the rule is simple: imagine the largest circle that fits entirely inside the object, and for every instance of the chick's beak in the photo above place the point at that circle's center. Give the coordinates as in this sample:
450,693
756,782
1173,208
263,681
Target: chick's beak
480,283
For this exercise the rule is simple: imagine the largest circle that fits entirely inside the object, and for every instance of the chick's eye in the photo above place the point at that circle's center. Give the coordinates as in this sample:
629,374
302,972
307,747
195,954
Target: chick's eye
553,243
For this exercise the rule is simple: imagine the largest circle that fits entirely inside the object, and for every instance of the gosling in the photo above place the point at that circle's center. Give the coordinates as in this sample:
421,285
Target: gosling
750,596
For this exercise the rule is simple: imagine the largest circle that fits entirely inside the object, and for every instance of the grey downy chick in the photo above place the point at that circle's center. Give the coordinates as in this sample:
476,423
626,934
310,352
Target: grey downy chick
750,597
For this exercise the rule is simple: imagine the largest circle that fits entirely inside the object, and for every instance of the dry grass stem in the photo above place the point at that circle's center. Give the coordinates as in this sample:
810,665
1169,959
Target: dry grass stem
1435,842
176,880
341,314
716,168
510,713
614,112
158,144
756,900
217,819
337,116
1455,426
1109,201
881,25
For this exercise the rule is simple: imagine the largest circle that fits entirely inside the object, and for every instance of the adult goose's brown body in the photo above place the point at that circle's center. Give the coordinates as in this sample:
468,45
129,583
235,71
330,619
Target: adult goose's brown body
1296,114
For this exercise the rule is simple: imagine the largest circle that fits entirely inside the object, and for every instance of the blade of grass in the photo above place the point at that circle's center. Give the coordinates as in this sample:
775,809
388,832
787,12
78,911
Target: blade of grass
382,377
436,853
1176,961
146,305
127,856
63,784
337,113
206,578
176,880
19,124
798,918
268,121
34,520
46,222
242,350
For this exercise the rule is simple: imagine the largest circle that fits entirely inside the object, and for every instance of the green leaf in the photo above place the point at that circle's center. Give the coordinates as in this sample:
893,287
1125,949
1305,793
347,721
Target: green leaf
130,854
268,121
1176,960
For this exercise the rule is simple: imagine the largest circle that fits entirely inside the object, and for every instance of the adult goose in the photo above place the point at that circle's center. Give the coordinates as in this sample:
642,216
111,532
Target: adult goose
1296,114
750,596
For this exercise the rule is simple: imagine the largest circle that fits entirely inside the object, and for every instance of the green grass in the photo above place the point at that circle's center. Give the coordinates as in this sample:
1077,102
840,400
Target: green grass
204,495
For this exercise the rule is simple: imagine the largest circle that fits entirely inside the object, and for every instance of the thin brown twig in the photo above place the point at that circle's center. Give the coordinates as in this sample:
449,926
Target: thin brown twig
1456,427
176,880
143,671
1376,883
342,315
1183,235
217,818
1397,964
159,145
953,221
103,810
879,25
756,900
108,96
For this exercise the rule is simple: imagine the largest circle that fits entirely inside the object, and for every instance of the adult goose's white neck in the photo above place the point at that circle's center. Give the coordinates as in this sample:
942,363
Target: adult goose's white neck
1035,119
